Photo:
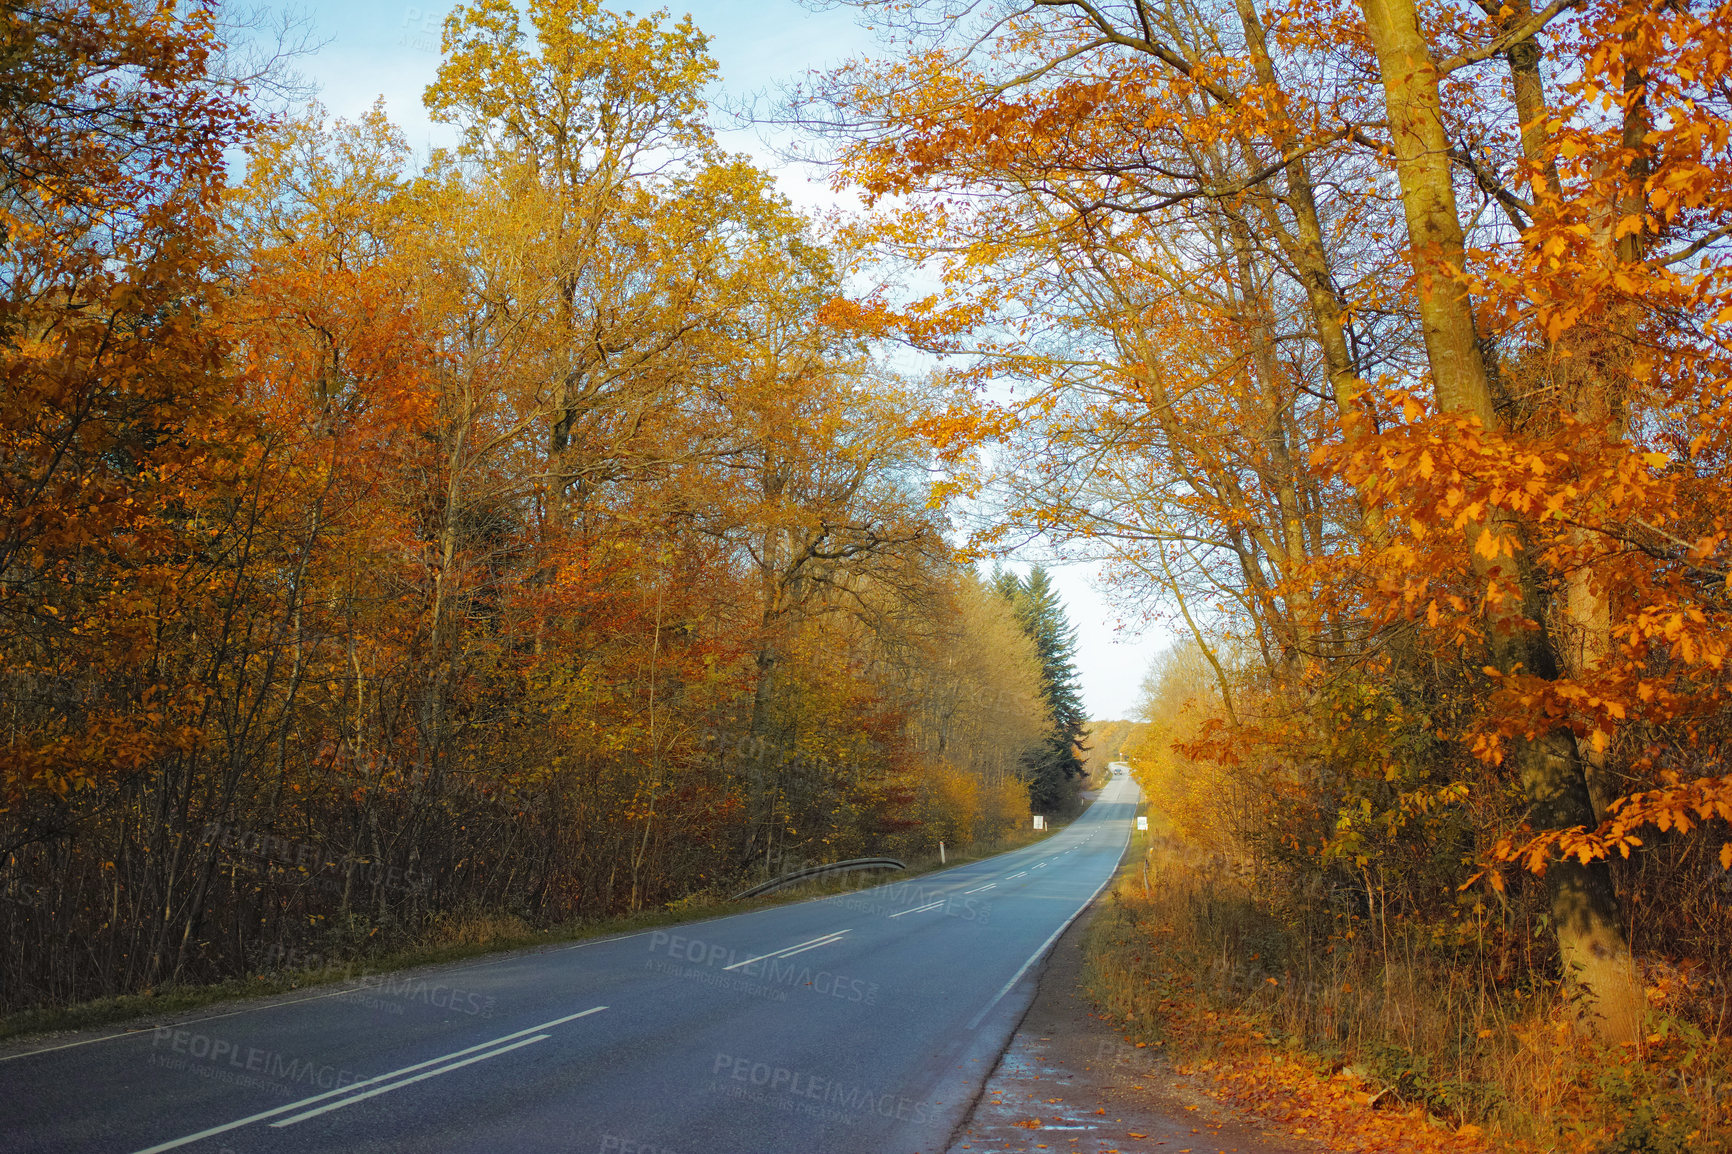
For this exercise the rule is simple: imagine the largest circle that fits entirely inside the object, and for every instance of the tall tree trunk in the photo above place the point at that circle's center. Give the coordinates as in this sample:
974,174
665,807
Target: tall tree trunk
1595,953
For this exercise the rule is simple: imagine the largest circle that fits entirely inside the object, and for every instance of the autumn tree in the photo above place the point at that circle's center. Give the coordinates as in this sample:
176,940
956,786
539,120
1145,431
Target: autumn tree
596,120
1151,175
114,420
113,136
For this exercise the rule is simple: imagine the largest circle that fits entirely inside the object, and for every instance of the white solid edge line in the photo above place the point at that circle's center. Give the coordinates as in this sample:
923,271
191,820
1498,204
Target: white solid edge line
921,909
386,1089
179,1024
276,1005
823,940
263,1114
616,938
1041,952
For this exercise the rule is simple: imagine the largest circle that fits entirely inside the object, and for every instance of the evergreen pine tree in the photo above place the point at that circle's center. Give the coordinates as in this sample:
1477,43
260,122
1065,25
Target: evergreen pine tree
1040,612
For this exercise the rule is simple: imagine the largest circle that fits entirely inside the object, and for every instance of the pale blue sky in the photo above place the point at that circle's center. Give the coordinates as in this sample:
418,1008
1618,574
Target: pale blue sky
391,49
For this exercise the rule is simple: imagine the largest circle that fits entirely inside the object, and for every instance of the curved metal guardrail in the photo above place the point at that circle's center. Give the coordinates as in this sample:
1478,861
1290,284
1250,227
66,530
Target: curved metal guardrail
810,872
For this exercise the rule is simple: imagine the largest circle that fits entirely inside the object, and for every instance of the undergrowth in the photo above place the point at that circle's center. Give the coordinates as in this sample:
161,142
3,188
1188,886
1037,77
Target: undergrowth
1381,1036
355,947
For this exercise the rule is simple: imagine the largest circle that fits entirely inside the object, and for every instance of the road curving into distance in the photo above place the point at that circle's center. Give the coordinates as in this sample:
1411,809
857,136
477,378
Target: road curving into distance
863,1023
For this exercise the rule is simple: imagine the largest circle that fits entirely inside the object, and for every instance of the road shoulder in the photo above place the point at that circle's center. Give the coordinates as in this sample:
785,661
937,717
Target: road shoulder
1068,1081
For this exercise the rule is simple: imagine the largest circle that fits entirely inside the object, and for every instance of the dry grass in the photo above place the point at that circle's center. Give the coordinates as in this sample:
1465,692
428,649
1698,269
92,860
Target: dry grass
476,928
1421,1017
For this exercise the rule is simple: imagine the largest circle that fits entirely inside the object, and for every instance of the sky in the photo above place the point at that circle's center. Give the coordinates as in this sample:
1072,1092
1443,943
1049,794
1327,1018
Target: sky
381,48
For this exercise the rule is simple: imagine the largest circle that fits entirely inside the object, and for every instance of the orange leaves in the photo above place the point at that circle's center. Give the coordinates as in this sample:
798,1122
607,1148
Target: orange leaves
867,318
1574,499
1492,543
1342,1111
114,418
1678,806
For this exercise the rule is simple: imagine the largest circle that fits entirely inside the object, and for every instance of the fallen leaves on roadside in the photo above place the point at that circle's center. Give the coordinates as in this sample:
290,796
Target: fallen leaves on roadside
1337,1111
1341,1112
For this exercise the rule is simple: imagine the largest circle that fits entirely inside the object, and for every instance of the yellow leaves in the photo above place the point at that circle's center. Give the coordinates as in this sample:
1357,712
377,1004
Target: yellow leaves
1726,856
1492,543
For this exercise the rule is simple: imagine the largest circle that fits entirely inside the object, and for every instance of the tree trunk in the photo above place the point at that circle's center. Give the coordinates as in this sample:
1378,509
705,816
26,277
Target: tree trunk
1591,942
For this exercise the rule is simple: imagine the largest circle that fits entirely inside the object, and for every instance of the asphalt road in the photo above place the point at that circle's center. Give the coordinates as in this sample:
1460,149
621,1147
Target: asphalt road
864,1022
